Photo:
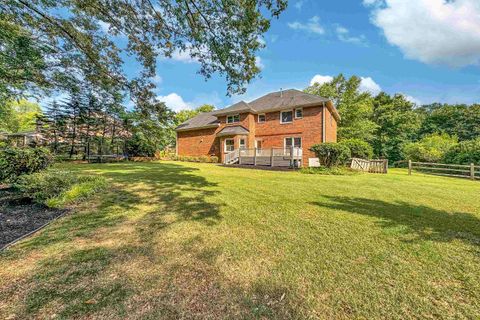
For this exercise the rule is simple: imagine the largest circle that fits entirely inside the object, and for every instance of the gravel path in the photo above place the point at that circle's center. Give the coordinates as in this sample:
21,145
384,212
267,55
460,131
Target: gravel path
19,216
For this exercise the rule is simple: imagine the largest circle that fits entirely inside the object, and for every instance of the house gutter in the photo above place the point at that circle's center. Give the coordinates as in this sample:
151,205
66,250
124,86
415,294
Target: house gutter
324,129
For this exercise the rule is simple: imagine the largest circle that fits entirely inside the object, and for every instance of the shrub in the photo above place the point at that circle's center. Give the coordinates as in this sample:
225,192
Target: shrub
15,162
139,146
465,152
431,148
359,148
335,171
331,154
214,159
57,188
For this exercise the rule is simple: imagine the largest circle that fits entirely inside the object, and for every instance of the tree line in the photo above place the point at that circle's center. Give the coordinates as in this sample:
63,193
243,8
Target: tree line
397,128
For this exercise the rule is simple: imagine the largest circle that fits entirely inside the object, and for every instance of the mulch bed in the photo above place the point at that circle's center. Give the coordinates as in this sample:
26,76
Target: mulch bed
20,216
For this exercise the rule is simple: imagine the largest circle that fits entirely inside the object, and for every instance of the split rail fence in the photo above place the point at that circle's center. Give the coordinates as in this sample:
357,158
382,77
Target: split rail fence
471,171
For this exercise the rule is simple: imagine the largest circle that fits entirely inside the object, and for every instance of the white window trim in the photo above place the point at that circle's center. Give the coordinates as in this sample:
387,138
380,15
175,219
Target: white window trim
225,144
293,141
295,113
262,114
233,115
281,118
240,143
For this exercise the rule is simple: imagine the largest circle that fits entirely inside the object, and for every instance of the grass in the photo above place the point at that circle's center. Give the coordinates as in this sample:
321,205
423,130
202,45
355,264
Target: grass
189,240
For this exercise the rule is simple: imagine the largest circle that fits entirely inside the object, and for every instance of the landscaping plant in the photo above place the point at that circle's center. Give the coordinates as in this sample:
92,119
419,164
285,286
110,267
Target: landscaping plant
15,162
331,154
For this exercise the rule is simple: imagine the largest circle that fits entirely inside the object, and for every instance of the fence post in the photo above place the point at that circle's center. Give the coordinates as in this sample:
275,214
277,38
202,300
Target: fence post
385,165
271,158
409,167
472,171
254,156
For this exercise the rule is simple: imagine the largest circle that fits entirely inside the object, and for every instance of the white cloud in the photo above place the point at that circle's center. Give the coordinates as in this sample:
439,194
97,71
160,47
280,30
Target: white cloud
259,63
343,34
431,31
274,38
412,100
368,85
174,102
320,79
313,25
299,5
183,56
157,79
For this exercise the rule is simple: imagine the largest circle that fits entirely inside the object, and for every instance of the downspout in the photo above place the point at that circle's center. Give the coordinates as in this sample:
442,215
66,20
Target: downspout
176,143
324,120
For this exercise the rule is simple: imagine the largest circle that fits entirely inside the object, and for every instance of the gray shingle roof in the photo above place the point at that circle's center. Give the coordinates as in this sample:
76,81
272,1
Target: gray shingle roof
271,102
233,130
202,120
285,99
237,107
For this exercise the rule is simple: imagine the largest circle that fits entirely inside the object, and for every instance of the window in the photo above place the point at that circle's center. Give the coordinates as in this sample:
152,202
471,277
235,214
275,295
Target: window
229,145
286,116
242,143
298,113
296,141
261,118
233,119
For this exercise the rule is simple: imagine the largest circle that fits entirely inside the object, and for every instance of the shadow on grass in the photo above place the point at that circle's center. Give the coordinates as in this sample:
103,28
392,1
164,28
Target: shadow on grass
77,283
423,222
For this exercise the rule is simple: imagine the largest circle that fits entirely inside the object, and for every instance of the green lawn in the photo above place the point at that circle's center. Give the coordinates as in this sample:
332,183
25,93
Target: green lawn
182,240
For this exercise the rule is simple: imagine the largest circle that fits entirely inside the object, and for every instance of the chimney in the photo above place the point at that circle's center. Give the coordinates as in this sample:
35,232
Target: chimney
281,93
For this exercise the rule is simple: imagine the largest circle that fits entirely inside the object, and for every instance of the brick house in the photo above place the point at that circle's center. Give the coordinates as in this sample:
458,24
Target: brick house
268,127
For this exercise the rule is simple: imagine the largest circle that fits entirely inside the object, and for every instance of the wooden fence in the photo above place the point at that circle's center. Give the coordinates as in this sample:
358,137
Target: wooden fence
372,166
442,169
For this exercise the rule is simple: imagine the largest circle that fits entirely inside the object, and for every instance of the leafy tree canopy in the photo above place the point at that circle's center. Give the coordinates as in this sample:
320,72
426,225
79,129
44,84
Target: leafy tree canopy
19,116
184,115
355,107
75,37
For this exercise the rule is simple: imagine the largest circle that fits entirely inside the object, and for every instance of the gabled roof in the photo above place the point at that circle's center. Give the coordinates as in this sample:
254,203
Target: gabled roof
238,107
231,131
202,120
274,101
285,99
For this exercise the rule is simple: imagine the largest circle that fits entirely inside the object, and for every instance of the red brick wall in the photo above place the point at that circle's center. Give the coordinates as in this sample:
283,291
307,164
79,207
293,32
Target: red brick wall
330,127
198,143
271,132
309,128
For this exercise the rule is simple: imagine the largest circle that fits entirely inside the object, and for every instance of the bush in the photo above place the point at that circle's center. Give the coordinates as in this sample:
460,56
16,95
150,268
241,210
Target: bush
465,152
431,148
205,159
359,148
139,146
334,171
15,162
57,188
331,154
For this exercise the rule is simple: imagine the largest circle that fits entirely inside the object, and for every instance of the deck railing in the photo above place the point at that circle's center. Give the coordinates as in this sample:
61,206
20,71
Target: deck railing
274,157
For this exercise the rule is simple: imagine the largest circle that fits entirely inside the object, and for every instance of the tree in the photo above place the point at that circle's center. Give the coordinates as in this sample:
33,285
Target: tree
355,107
431,148
397,123
223,36
19,116
184,115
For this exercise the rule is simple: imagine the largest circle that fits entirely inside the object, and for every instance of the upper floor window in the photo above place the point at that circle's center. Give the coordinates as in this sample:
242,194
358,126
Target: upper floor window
286,116
261,117
298,113
233,118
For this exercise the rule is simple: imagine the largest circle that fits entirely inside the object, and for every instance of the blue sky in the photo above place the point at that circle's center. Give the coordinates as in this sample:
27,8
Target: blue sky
428,50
